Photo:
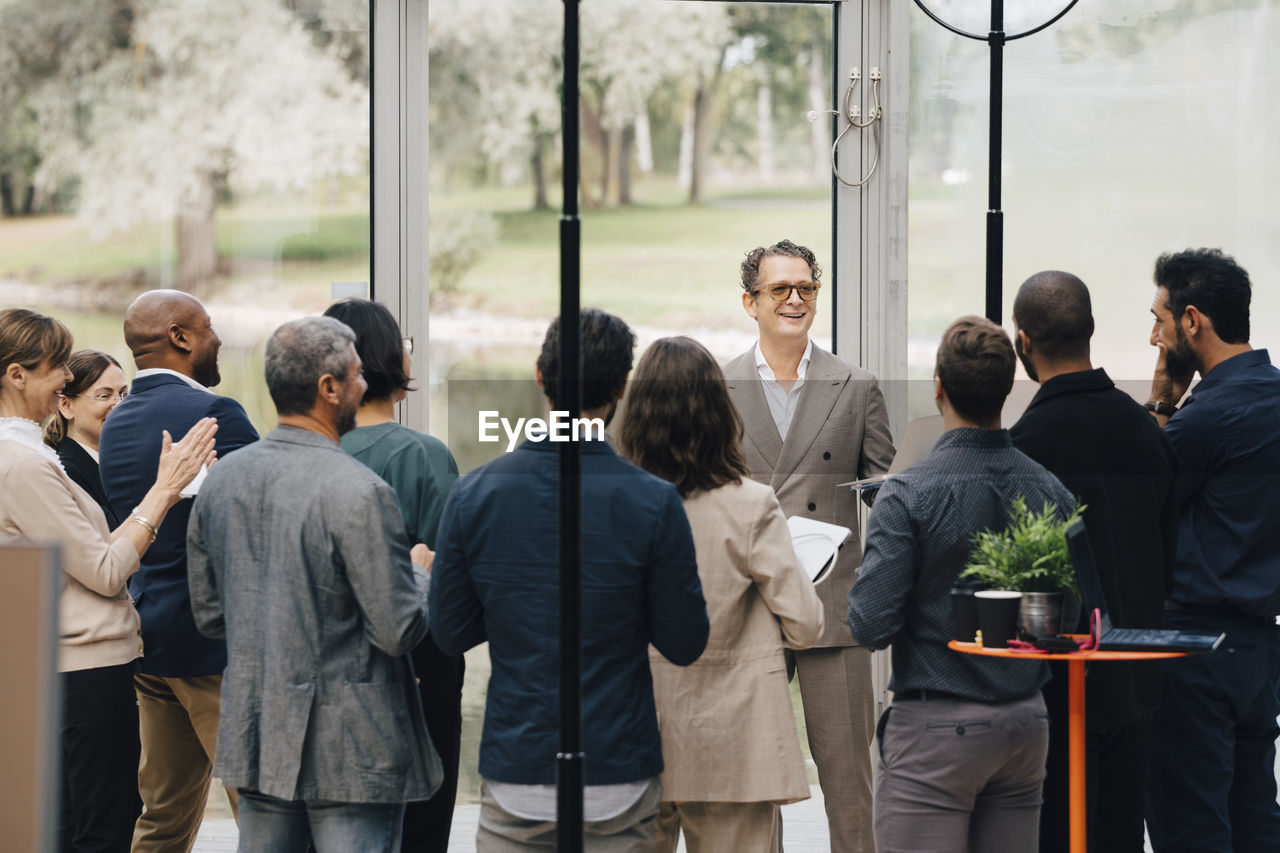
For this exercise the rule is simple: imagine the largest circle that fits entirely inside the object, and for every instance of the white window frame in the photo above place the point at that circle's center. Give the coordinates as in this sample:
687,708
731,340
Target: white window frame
869,224
399,163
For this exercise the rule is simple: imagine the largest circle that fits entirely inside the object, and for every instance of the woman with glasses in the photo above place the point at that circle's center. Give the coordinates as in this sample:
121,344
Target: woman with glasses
97,385
729,738
421,470
100,637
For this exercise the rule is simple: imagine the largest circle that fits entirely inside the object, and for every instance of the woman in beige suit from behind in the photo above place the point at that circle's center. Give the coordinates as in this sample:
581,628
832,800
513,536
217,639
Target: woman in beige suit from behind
729,738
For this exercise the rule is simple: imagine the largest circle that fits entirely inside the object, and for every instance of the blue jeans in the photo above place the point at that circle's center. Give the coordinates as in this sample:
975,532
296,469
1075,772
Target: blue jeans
269,825
1211,785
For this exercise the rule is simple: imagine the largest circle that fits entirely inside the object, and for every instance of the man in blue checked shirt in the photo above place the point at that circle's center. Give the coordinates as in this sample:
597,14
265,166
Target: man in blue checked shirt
962,748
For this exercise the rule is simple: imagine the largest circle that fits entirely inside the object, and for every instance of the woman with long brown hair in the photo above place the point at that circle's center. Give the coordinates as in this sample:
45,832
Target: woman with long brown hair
99,632
96,387
729,738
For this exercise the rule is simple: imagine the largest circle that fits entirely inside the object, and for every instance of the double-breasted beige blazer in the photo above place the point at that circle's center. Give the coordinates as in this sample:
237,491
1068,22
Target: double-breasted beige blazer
728,729
840,433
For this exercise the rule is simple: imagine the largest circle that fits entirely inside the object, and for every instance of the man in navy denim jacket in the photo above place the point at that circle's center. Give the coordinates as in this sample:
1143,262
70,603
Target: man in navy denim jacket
1212,783
495,579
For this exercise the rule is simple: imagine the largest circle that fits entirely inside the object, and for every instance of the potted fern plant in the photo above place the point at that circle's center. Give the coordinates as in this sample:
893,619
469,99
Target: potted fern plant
1029,556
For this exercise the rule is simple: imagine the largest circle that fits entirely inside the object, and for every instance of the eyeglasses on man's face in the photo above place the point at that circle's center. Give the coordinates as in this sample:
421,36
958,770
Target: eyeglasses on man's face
781,292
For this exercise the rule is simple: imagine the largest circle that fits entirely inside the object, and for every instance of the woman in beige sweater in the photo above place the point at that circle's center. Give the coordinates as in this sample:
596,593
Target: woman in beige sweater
99,630
729,738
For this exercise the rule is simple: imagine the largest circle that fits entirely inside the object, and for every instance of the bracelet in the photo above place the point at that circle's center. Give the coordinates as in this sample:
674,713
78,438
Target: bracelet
151,528
1160,407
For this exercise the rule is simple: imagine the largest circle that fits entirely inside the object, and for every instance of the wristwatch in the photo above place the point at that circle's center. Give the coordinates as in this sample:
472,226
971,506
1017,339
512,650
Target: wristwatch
1160,407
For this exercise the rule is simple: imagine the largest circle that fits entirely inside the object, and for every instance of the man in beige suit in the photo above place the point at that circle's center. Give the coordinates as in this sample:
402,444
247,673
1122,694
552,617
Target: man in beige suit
812,421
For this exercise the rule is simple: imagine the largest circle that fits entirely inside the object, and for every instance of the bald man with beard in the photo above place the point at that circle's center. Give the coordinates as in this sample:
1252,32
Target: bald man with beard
1108,452
175,349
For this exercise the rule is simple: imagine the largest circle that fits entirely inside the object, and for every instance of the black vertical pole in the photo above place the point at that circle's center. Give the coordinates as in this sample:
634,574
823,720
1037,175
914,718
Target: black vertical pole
570,760
995,216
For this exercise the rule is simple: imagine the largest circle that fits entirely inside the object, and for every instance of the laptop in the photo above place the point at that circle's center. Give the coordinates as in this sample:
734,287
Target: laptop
1111,639
918,439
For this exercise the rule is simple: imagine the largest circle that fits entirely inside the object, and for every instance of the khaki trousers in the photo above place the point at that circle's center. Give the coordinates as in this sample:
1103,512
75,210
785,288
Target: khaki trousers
630,832
178,724
839,714
720,827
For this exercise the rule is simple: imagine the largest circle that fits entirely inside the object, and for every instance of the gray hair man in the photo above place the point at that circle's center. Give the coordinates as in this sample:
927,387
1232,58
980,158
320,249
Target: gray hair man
299,558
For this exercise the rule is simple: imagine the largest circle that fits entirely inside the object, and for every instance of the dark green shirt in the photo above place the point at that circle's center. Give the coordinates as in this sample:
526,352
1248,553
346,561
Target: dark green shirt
417,466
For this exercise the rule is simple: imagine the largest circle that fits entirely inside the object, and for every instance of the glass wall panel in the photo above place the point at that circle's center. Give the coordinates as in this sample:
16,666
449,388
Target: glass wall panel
217,148
1130,129
696,147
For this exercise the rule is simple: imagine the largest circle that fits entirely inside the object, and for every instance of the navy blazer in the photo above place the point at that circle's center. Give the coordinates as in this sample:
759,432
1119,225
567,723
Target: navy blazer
129,450
496,578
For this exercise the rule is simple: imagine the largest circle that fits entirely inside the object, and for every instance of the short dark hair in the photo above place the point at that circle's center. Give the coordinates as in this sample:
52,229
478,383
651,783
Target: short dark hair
299,353
751,264
607,354
86,366
379,344
680,423
1214,283
1054,309
975,365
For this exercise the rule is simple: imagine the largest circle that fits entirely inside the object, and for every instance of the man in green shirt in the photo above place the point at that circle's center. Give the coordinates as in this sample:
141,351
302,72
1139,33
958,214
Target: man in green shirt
421,470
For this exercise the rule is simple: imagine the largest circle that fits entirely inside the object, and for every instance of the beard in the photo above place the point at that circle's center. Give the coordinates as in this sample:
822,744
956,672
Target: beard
206,371
1026,362
346,420
1181,361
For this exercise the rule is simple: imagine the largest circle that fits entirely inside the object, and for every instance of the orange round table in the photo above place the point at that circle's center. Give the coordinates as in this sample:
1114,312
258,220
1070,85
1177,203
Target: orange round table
1075,714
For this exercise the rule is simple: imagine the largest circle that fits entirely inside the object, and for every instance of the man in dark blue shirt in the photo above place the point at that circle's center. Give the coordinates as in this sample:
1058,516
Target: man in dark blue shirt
1212,784
962,748
495,579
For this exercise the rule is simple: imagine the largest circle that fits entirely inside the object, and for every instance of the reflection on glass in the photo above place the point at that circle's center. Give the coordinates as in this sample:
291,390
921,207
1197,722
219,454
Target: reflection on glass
696,148
1130,129
217,148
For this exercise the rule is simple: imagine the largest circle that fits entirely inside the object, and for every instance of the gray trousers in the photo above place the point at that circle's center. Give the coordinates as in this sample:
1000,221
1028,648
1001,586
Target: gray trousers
957,776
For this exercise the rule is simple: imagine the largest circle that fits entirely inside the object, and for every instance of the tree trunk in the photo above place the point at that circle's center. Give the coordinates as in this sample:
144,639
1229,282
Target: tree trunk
684,171
764,127
703,101
6,196
644,143
610,142
626,151
539,168
197,237
593,126
701,145
819,128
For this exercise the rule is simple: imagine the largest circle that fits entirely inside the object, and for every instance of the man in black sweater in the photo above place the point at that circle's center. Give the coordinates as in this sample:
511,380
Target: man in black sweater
1109,452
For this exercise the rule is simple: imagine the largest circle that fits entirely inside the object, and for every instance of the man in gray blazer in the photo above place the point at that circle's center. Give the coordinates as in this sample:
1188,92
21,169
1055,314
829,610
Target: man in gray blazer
812,421
297,555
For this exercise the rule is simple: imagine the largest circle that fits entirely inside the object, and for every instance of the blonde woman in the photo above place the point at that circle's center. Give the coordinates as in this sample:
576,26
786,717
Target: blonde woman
729,740
100,635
